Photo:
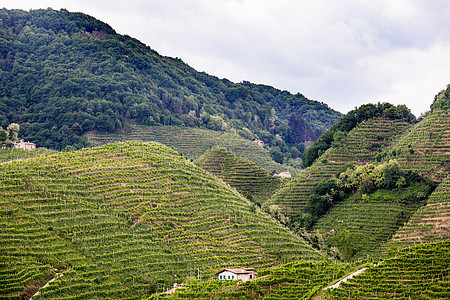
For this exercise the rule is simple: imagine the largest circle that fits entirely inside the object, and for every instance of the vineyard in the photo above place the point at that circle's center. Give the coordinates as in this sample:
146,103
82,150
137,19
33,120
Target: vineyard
194,142
126,220
361,145
244,175
369,223
420,272
425,148
430,222
296,280
144,206
9,154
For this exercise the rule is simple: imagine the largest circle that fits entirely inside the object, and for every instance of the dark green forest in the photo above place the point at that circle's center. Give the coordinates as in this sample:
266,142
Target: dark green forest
63,74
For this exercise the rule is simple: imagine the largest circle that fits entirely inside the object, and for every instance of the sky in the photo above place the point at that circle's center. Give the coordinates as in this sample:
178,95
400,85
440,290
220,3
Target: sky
344,53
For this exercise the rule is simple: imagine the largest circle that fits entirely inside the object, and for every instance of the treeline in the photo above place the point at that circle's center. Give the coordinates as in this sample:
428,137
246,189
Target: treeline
340,129
64,74
442,100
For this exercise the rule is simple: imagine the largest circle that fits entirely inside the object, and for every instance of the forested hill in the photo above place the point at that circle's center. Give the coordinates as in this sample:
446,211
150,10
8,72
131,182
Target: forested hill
63,74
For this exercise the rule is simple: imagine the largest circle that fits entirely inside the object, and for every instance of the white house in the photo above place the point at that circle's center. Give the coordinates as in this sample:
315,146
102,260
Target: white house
243,274
286,174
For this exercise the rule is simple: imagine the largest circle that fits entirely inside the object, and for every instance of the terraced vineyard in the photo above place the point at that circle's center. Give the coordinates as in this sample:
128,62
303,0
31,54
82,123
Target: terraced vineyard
361,145
429,223
420,272
369,223
296,280
124,221
14,154
193,142
244,175
426,148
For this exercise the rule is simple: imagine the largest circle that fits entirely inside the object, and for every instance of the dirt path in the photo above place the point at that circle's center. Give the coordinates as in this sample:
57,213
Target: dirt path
336,285
46,285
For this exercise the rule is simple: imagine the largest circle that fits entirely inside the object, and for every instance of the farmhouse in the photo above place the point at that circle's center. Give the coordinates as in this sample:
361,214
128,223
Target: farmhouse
243,274
23,145
286,174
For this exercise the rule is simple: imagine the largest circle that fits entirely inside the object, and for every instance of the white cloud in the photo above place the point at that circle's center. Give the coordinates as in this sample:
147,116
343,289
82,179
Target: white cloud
345,53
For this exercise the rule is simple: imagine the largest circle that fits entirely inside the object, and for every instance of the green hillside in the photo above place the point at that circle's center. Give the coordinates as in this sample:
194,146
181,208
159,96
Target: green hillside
244,175
366,222
361,145
194,142
420,272
175,189
351,120
296,280
426,147
357,227
63,74
430,223
9,154
124,221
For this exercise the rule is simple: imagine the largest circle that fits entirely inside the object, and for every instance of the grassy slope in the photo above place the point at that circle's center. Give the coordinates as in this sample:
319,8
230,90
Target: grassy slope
125,220
354,148
420,272
193,142
244,175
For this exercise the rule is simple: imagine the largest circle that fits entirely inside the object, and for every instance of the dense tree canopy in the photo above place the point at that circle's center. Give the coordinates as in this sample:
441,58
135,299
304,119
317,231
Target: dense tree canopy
442,100
63,74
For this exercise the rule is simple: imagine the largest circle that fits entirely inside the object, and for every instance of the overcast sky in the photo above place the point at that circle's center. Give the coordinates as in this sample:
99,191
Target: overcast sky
345,53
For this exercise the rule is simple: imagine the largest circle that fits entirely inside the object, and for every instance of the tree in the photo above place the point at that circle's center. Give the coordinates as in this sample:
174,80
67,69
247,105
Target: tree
3,134
337,138
13,131
299,130
276,155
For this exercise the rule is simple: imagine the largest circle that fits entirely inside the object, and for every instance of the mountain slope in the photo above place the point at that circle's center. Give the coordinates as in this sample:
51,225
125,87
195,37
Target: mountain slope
124,221
369,219
361,145
64,74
